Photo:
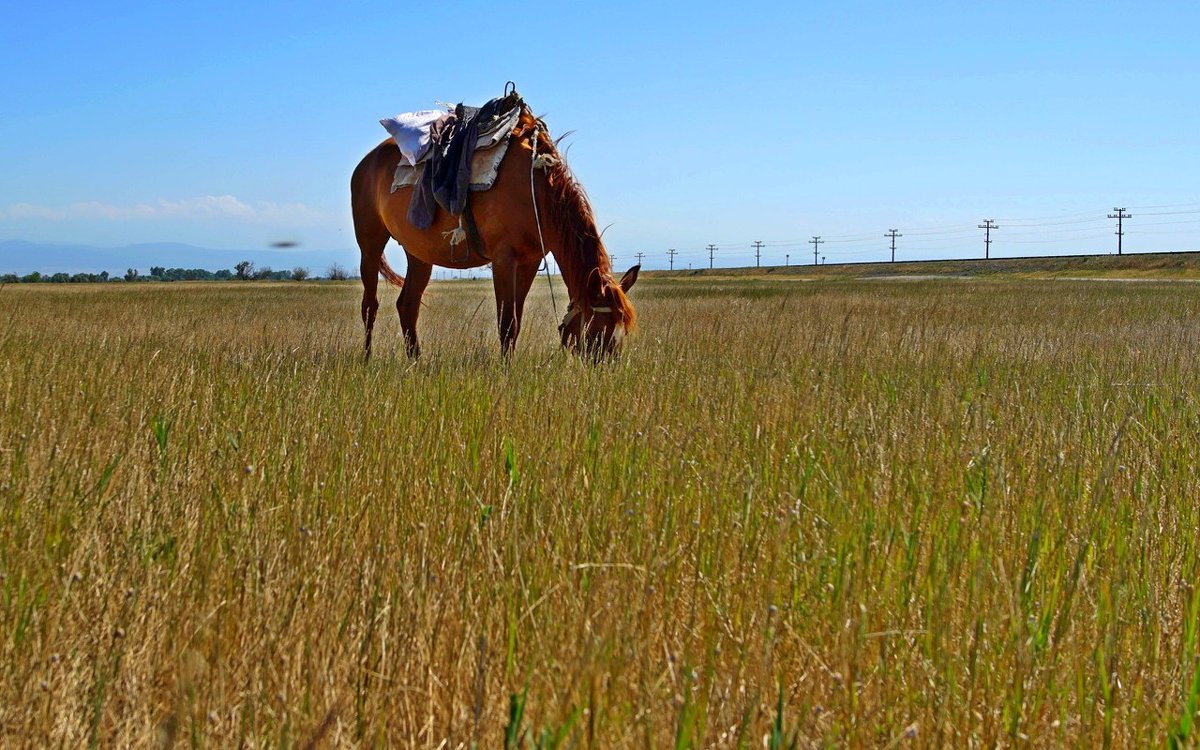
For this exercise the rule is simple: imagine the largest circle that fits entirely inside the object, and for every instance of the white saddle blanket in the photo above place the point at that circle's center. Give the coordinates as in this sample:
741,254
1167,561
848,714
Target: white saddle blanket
410,131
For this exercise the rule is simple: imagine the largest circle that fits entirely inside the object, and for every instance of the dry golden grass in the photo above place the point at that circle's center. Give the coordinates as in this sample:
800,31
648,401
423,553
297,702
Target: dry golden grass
865,514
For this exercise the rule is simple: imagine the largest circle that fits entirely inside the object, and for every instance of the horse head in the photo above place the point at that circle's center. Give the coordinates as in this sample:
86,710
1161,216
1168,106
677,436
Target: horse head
596,323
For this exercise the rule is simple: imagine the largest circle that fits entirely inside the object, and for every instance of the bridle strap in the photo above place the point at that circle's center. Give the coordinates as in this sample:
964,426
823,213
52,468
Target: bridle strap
537,219
574,310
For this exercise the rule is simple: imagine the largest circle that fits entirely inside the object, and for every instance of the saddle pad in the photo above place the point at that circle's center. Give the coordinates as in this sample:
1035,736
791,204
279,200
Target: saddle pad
485,164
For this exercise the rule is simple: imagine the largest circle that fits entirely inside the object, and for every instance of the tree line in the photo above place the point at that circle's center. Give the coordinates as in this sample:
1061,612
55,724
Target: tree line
243,271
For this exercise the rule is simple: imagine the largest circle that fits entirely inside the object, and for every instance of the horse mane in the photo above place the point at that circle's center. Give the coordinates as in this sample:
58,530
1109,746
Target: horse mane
569,211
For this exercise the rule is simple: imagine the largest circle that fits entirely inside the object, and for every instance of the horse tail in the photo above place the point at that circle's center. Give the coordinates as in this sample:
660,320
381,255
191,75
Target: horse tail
389,273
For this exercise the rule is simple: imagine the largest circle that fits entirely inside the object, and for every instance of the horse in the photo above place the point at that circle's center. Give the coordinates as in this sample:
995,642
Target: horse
535,205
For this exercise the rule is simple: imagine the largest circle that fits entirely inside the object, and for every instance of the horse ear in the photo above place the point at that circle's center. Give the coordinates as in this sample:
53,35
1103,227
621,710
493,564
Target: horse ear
630,277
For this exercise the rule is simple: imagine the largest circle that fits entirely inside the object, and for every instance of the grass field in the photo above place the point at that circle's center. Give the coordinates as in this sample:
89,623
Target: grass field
838,513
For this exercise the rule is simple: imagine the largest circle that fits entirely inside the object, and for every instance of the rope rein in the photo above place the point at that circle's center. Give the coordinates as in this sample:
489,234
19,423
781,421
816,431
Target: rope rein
533,165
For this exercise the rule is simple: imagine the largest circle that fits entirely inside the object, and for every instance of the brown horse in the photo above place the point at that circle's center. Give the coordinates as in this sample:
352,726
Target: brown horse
514,237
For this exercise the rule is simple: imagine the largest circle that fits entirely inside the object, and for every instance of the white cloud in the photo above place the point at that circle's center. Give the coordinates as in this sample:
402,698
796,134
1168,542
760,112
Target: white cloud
29,211
225,207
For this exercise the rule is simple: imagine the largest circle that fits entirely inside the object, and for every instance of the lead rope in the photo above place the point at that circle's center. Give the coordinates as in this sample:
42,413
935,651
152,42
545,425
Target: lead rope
538,220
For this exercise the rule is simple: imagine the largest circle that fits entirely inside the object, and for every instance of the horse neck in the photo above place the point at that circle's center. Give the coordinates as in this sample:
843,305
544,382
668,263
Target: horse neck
571,237
575,269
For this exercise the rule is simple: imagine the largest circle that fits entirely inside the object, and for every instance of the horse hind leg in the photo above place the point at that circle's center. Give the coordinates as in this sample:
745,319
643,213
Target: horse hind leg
372,237
369,270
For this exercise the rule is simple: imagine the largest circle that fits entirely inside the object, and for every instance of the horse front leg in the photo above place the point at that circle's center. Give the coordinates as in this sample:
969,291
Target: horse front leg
511,278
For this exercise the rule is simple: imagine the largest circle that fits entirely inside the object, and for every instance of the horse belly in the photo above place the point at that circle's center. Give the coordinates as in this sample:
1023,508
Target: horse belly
433,244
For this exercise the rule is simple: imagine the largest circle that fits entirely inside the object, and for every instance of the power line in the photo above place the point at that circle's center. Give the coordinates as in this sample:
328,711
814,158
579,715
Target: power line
1174,232
1168,205
1027,225
962,230
1120,216
711,248
892,233
1166,223
1026,232
1167,213
672,253
639,257
848,237
816,242
1055,218
757,253
987,226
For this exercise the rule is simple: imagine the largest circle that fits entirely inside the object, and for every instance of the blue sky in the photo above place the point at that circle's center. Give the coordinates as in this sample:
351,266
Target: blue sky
234,125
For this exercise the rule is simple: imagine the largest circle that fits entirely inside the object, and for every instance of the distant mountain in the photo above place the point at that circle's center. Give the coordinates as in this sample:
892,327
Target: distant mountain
22,257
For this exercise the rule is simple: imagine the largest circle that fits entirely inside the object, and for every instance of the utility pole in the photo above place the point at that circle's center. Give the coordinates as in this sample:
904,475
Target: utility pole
711,248
639,256
816,242
757,252
893,234
987,226
671,253
1120,216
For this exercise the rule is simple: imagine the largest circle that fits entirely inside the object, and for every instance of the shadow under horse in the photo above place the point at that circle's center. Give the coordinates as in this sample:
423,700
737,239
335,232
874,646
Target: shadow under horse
535,206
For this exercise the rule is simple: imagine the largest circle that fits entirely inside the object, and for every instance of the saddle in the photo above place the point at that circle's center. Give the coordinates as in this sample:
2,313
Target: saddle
450,154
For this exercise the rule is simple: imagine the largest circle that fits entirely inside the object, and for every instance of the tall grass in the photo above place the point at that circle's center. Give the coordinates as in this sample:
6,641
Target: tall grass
794,514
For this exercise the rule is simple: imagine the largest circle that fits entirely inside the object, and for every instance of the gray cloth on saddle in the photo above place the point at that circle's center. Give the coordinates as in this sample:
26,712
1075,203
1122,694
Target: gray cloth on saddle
485,166
446,177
